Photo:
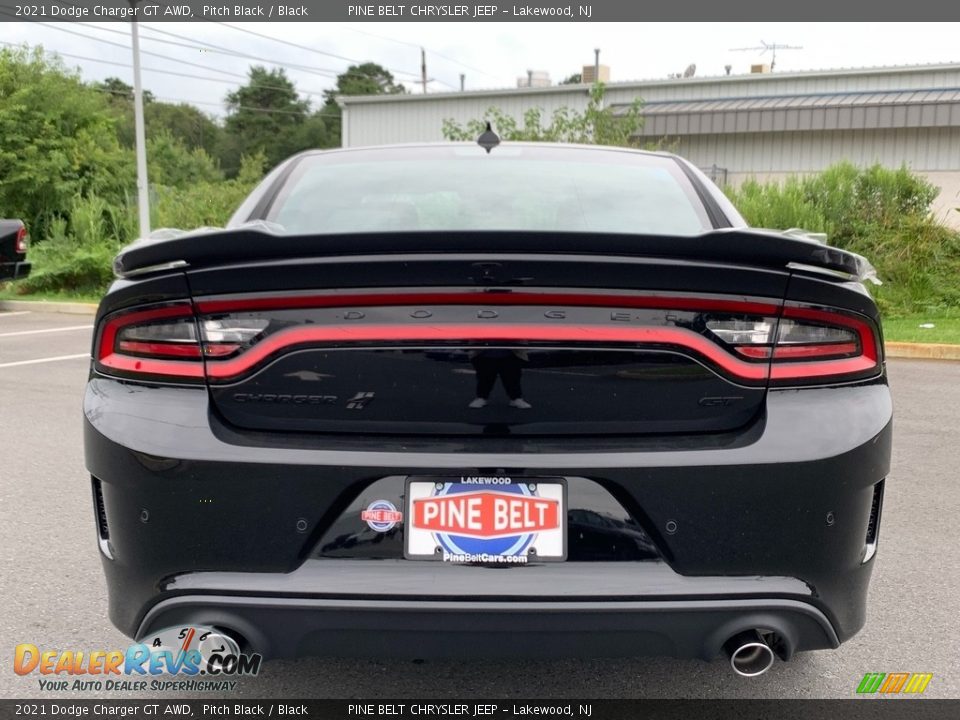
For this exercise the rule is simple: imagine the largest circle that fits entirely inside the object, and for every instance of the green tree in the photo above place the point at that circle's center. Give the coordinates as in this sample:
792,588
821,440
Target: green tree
170,162
365,79
206,203
58,140
267,114
574,79
186,123
595,125
317,131
120,91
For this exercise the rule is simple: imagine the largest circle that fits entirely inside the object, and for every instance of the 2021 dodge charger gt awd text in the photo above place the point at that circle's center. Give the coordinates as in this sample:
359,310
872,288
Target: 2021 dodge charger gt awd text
510,400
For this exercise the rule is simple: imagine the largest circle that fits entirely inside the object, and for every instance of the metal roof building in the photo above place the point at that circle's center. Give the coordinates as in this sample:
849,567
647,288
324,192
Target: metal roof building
766,125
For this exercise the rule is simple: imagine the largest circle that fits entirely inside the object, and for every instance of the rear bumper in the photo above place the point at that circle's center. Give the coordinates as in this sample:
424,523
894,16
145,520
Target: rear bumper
298,626
14,270
212,526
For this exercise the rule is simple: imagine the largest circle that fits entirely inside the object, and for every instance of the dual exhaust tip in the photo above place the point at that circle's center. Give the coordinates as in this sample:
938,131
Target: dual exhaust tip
750,653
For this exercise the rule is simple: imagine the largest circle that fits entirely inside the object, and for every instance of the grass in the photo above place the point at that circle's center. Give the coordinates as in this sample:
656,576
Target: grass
8,291
946,329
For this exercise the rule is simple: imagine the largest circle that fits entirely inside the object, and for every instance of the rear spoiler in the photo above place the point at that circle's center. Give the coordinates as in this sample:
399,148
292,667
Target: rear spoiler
759,248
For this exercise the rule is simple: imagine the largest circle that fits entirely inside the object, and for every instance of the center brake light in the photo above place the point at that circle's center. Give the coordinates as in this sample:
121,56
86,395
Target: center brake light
744,340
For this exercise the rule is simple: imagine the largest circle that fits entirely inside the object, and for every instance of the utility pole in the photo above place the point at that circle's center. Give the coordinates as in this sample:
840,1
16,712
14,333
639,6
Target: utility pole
529,78
596,65
423,69
143,189
463,80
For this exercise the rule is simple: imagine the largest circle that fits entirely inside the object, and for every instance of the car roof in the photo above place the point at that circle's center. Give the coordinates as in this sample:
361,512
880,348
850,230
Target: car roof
559,148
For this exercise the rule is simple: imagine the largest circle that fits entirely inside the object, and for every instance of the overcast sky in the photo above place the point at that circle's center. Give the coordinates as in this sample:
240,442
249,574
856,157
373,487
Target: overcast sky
490,54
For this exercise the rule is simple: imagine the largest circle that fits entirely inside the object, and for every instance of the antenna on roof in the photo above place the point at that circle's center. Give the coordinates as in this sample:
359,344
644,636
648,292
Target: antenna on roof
488,139
772,48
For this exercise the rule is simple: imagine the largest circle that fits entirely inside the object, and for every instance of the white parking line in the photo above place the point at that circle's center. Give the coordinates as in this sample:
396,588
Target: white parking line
47,330
11,314
45,360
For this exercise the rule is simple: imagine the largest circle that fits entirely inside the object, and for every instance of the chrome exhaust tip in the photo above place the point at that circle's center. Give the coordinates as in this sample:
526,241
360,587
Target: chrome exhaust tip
750,655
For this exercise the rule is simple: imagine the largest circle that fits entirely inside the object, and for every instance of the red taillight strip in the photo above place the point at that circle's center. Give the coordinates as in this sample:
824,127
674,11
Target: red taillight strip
787,352
480,298
822,368
447,332
181,350
148,366
760,352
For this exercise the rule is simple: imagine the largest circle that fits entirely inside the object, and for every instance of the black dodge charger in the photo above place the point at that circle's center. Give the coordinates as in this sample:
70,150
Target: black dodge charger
517,399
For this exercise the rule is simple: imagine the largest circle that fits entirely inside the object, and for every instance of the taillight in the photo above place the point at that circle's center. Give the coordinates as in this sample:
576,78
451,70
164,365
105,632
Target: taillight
20,245
164,342
750,342
160,342
806,344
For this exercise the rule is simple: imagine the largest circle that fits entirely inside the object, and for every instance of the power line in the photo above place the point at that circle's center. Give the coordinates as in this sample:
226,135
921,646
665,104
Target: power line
208,68
331,72
166,57
417,45
237,107
305,47
217,49
191,76
127,47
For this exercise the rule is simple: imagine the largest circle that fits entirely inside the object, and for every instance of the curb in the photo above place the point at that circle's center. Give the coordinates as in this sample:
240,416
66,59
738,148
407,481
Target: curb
913,351
922,351
67,308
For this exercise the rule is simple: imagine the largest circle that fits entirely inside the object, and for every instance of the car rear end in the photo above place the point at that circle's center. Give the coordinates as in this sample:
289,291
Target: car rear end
13,250
682,439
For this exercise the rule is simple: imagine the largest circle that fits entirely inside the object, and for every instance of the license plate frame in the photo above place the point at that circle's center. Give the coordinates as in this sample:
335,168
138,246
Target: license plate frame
516,501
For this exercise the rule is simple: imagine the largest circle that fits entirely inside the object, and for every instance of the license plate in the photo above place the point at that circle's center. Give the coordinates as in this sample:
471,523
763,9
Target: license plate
485,519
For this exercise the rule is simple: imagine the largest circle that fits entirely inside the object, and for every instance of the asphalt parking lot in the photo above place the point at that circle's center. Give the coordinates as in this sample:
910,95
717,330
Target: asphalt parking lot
53,593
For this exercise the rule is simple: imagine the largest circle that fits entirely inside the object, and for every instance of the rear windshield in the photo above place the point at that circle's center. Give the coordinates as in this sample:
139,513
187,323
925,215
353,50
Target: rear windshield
463,188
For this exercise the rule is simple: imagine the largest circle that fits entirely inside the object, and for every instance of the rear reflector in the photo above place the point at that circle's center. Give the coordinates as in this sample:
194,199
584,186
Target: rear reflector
102,528
742,339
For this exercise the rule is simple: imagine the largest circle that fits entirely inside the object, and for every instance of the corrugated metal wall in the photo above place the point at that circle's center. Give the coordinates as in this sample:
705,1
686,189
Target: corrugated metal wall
417,119
775,85
922,149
